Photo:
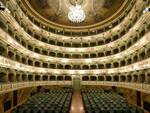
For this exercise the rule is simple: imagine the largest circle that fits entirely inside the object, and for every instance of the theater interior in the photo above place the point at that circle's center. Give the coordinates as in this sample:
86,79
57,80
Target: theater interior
74,56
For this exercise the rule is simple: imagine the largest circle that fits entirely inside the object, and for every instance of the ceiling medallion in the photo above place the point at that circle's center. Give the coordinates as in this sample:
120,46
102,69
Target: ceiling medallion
76,14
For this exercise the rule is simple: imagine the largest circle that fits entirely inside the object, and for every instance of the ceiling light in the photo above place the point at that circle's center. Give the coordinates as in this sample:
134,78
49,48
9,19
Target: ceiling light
146,10
76,14
2,7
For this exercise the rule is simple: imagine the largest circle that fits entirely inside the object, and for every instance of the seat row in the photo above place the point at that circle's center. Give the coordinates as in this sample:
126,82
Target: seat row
99,101
54,101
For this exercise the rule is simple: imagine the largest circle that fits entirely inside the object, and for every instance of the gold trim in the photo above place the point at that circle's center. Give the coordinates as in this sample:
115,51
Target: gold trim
31,11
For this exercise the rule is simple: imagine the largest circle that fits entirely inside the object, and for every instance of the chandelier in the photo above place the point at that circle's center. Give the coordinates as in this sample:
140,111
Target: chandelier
76,14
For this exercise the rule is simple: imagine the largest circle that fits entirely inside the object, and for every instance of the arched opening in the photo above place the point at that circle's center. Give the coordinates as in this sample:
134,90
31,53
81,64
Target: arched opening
45,65
30,77
30,62
67,66
37,78
67,56
37,64
100,78
45,78
67,44
59,55
52,66
135,39
122,63
52,78
135,58
93,78
116,78
100,42
60,78
129,61
148,52
93,67
23,43
92,55
115,51
37,50
115,37
24,77
122,48
135,78
59,66
76,56
129,44
122,78
142,55
108,65
2,50
30,47
44,40
93,43
85,78
85,67
52,42
108,40
11,77
116,64
18,77
17,57
76,67
44,52
68,78
85,44
10,55
52,54
108,78
100,66
85,56
59,43
129,78
142,78
148,77
37,36
108,53
2,77
100,54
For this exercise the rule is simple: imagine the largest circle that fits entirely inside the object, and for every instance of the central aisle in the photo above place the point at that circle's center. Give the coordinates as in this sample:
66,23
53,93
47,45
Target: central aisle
77,103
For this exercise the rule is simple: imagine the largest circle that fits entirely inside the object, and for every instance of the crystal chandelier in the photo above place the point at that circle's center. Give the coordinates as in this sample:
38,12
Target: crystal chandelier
76,14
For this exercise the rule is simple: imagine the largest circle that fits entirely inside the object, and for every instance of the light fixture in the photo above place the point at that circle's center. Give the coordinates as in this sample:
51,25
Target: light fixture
76,14
146,10
3,8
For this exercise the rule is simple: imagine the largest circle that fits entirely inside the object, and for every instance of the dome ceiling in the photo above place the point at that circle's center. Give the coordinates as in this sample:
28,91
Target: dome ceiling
53,15
57,10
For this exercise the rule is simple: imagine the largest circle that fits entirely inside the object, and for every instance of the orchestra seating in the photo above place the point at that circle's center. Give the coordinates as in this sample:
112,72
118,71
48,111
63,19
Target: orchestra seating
100,101
54,101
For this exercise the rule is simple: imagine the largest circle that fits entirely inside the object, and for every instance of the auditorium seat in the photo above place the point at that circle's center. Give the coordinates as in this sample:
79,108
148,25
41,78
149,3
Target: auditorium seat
99,101
54,101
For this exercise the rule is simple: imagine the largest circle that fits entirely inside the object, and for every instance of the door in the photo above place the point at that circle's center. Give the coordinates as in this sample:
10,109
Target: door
76,83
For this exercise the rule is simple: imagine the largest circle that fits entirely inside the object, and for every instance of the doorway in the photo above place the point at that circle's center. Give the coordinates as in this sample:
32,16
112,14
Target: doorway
76,83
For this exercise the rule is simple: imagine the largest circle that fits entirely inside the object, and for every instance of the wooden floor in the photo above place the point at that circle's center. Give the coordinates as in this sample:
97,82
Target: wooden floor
77,104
